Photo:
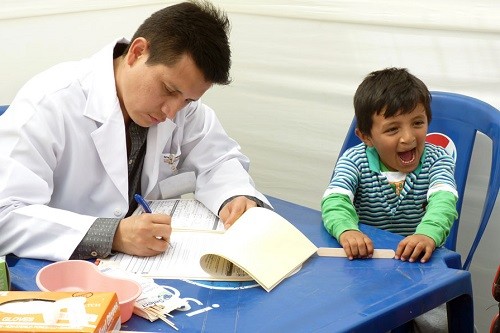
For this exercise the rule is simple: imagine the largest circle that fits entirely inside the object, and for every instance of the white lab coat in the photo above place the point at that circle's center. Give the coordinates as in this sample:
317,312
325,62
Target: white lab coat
63,159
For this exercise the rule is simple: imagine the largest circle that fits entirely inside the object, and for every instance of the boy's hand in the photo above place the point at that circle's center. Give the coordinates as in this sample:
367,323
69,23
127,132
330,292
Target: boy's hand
356,244
412,247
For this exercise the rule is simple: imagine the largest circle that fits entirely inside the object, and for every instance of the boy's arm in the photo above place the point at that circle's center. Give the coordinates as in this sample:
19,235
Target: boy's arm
338,214
441,199
438,219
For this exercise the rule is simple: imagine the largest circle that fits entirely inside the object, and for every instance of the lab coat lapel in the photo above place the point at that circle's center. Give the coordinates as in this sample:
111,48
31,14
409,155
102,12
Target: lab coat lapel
104,108
157,139
109,140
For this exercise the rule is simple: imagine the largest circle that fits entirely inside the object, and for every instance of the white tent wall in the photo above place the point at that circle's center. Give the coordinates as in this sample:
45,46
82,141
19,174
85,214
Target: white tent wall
296,65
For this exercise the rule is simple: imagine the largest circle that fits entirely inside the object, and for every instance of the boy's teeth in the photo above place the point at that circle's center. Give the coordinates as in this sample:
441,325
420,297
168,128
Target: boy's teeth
407,156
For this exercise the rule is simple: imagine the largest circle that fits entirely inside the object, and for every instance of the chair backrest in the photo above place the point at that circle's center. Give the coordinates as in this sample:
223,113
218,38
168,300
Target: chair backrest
3,108
459,118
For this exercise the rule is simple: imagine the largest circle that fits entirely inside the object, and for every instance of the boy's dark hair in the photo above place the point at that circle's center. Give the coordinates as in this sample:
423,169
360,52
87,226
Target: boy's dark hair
196,28
392,91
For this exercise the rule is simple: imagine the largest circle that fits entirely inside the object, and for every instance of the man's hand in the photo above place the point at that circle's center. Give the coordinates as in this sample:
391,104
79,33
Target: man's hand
412,247
234,209
356,244
143,235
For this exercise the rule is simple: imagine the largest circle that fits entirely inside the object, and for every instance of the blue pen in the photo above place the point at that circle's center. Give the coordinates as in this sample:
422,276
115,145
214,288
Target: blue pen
144,204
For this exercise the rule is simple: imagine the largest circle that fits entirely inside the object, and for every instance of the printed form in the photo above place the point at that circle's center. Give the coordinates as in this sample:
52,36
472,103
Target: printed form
194,227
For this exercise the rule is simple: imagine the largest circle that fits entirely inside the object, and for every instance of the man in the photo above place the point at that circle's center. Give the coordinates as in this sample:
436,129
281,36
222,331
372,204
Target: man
80,139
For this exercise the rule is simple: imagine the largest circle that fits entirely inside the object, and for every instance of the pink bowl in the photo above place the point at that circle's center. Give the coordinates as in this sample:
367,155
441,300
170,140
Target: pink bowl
81,275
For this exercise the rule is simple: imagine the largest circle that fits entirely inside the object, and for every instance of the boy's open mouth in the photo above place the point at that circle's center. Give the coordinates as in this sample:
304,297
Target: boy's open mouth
407,157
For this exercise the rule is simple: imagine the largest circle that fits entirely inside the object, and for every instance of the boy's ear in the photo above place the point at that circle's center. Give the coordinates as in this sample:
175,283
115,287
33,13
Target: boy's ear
364,137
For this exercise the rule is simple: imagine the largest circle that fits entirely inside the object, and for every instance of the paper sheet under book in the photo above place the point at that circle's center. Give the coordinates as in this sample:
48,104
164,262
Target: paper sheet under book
261,245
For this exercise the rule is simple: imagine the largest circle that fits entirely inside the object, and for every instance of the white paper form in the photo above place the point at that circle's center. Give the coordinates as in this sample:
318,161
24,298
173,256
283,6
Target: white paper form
180,261
194,227
186,214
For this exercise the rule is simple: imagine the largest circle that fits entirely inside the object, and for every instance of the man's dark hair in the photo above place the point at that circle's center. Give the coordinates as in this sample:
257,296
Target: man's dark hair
196,28
392,91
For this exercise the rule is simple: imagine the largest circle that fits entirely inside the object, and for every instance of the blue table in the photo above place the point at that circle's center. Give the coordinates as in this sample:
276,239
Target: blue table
326,295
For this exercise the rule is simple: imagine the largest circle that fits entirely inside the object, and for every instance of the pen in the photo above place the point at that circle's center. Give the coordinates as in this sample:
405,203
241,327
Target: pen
144,204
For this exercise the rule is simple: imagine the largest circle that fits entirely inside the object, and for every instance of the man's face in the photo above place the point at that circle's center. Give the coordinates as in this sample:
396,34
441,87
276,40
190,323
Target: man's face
399,140
149,94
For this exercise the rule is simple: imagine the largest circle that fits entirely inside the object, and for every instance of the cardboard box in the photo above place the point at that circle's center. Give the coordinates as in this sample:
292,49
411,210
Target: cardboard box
4,274
88,312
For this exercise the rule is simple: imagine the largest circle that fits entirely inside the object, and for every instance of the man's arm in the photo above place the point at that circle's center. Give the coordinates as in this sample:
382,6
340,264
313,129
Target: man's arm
98,241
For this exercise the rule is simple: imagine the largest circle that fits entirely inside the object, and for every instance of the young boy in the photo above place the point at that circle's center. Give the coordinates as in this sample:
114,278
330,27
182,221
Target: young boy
393,180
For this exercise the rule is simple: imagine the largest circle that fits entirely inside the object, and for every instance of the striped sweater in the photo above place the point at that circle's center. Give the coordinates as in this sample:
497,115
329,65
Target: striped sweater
358,176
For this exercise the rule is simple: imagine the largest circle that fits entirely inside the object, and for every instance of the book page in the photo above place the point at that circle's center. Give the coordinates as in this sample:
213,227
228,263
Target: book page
263,244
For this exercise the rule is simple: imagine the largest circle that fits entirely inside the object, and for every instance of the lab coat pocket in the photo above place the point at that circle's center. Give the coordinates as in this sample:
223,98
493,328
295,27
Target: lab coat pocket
177,185
168,164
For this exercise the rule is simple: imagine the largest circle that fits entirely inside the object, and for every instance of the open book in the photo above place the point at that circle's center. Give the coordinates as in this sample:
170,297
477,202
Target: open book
261,245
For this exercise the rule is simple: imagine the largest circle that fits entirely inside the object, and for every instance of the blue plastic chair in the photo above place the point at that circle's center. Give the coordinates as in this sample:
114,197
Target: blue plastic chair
3,108
460,117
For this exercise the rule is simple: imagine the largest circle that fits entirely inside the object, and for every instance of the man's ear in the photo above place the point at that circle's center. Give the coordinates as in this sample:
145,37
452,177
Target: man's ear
138,48
364,137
